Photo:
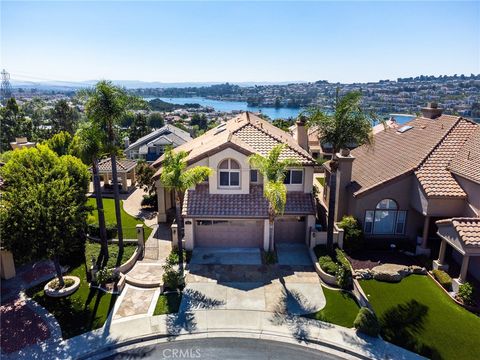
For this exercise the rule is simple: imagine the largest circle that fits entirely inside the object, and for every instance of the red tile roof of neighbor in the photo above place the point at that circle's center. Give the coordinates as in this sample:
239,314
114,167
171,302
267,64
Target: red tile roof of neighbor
426,149
467,161
123,165
468,229
247,133
199,203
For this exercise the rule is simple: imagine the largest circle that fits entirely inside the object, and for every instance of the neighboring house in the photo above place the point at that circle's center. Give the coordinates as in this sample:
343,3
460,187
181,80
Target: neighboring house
320,150
21,142
150,147
413,178
229,209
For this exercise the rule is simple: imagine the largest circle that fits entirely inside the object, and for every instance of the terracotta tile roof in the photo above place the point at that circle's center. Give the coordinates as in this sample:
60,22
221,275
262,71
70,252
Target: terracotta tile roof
248,132
199,203
467,161
468,229
123,165
395,154
433,174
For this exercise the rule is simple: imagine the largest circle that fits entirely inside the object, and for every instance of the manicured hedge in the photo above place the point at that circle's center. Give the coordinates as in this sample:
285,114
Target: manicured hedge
328,265
94,230
443,278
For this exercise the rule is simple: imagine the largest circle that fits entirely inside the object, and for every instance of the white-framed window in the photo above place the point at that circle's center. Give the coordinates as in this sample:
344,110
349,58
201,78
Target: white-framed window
253,176
229,174
293,177
386,219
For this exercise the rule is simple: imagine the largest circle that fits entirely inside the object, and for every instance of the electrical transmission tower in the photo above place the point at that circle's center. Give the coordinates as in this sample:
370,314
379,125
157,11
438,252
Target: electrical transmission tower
6,88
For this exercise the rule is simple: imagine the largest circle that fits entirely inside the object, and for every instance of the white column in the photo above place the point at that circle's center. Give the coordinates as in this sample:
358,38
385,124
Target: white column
441,254
266,234
124,182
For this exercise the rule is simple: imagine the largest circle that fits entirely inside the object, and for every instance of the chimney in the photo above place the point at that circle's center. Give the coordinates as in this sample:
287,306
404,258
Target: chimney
126,141
344,178
302,136
431,111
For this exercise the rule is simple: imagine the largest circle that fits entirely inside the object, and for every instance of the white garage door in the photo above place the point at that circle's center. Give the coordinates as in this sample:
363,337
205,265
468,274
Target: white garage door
228,233
290,229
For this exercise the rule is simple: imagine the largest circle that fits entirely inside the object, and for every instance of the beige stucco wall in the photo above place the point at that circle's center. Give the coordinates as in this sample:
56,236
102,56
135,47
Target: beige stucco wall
189,236
473,192
242,160
400,191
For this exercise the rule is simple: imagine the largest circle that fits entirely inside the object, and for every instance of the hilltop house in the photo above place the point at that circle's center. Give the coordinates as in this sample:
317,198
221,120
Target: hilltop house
229,209
150,147
414,178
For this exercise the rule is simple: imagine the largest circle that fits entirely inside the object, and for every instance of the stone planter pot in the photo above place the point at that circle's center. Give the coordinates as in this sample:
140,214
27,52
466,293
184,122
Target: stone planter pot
344,152
65,291
327,278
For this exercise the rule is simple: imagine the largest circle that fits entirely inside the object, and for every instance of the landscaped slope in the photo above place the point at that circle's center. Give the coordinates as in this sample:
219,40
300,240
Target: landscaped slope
418,315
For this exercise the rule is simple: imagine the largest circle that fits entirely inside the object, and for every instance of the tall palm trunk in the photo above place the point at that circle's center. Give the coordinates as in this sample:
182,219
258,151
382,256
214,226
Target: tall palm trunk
178,217
271,222
331,205
118,212
103,256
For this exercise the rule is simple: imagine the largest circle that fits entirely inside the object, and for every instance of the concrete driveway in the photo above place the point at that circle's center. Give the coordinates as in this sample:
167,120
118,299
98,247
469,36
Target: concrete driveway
292,286
226,256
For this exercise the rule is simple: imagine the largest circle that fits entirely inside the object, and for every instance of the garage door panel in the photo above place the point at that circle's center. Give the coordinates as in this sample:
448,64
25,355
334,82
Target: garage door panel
290,229
229,233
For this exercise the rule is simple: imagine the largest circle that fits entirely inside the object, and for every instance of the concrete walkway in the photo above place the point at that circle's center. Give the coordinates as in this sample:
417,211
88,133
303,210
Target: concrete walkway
133,206
219,323
144,280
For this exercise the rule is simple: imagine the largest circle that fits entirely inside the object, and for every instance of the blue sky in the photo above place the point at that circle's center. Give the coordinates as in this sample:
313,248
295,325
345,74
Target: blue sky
238,41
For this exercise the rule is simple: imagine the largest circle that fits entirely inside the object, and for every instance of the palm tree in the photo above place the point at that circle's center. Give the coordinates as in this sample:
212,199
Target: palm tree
348,124
273,170
106,105
177,178
87,145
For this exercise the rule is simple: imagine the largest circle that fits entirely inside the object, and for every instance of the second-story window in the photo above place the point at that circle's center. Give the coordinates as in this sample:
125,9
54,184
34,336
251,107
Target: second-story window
293,177
254,176
229,173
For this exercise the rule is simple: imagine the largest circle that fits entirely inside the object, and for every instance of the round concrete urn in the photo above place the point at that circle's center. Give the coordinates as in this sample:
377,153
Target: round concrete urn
68,290
344,152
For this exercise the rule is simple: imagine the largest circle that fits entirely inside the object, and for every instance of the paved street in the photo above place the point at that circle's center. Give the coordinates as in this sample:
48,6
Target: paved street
226,348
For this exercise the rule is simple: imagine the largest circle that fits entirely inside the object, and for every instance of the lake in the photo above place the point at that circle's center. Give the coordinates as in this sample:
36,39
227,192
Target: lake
273,113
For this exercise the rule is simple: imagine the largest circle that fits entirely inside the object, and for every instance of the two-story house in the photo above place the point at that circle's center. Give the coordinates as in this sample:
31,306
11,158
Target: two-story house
151,146
229,209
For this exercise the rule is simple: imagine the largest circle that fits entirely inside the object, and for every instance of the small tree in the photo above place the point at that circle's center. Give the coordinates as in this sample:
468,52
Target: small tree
44,211
273,170
176,177
60,143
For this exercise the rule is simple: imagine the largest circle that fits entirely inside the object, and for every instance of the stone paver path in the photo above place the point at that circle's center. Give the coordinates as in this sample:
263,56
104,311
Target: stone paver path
133,206
136,301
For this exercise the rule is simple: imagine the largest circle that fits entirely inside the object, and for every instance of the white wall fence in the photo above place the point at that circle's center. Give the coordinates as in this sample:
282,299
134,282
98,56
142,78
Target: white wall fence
320,237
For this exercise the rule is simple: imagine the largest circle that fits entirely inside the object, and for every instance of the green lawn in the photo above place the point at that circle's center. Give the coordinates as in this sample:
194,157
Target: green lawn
168,303
93,249
128,222
341,308
86,309
418,315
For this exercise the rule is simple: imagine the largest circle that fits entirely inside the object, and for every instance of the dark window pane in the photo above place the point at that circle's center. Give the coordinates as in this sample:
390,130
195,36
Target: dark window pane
253,175
297,176
223,178
234,179
287,177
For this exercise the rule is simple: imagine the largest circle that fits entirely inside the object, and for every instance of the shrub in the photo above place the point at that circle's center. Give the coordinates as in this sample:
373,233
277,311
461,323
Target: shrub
173,259
344,277
94,230
55,284
105,275
150,201
353,235
443,278
366,322
341,258
465,293
172,278
328,265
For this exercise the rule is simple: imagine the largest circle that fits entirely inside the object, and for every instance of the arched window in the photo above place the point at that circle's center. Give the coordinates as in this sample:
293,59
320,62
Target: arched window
385,219
229,173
